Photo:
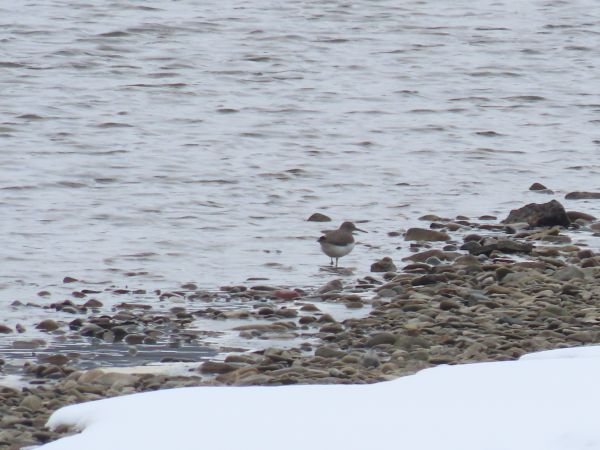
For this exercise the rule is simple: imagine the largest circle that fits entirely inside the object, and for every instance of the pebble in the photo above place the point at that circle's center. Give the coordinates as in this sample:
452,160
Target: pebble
48,325
424,234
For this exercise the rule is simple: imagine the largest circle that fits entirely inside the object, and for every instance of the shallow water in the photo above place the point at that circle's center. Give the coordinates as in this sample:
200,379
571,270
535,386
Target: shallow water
149,145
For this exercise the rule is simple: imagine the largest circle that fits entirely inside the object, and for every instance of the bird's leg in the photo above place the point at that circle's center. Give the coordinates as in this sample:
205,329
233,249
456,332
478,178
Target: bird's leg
331,263
336,261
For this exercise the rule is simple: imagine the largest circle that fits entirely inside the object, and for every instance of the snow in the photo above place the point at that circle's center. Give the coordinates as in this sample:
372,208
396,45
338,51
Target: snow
543,401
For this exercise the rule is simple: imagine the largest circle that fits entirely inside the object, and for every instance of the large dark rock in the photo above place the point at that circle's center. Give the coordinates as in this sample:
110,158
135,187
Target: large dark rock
540,215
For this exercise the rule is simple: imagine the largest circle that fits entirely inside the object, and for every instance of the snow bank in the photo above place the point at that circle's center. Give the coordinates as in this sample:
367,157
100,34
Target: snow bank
544,401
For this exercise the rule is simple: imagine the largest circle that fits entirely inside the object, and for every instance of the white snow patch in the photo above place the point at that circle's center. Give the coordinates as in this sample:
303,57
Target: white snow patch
537,403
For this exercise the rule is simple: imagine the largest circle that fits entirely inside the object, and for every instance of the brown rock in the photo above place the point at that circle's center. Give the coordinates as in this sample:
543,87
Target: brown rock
318,217
332,328
93,303
582,195
135,339
47,325
576,215
384,265
5,329
540,215
216,367
57,360
286,294
333,285
381,338
424,234
537,187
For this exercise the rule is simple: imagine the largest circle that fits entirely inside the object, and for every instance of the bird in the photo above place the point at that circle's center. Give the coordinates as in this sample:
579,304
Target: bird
340,242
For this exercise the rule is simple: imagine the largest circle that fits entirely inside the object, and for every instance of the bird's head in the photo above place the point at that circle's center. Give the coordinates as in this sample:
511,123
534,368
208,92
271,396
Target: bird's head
350,227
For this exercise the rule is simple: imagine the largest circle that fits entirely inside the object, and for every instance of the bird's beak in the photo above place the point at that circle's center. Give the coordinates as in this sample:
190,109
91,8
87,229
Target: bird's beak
358,229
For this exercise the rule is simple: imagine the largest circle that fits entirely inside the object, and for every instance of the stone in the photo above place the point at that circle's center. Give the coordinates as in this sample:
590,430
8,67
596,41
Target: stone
134,339
370,360
448,304
424,256
115,380
510,246
91,330
29,344
424,234
328,352
5,329
32,402
582,195
331,328
216,367
57,360
93,303
576,215
47,325
318,217
537,187
286,294
384,265
333,285
381,338
568,273
540,215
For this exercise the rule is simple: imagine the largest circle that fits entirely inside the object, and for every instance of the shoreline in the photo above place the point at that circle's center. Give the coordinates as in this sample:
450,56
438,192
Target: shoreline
531,290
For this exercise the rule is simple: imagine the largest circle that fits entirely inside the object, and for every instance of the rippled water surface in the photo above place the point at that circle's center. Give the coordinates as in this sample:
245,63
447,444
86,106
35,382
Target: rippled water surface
189,141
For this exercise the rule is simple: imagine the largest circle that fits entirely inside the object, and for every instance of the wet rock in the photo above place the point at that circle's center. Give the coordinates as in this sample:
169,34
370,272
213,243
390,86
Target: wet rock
537,187
582,195
576,215
93,303
29,344
332,328
540,215
134,339
91,330
286,294
5,329
318,217
287,312
424,234
384,265
305,320
265,311
69,280
57,360
309,307
189,286
333,285
44,294
48,325
510,246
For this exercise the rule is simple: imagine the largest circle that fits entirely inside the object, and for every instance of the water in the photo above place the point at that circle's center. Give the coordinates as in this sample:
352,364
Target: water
159,142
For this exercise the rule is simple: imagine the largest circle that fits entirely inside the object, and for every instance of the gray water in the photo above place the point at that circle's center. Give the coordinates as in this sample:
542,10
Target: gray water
159,142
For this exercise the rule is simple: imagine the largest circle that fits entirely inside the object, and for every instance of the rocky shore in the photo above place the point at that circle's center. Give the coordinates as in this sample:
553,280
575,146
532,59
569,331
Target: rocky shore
471,291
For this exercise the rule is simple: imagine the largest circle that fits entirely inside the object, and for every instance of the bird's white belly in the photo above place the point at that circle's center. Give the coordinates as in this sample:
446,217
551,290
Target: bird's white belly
336,251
